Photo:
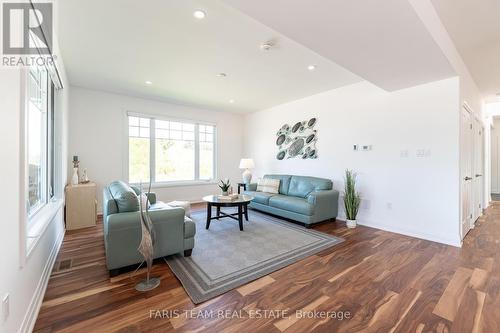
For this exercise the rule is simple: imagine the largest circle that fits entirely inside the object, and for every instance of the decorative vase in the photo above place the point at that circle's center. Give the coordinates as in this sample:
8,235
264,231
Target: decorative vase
74,179
224,193
351,224
247,176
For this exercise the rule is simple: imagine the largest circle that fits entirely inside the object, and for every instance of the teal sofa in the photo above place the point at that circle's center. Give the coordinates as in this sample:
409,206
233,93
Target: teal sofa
122,228
305,199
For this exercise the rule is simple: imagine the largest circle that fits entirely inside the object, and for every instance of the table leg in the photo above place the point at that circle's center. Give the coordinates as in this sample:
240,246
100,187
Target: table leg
209,215
218,212
246,212
240,216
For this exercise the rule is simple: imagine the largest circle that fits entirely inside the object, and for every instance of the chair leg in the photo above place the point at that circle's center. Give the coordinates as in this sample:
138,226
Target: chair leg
187,253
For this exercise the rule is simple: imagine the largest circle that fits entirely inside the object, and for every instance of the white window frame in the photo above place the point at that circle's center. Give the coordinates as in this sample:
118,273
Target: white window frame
33,226
152,150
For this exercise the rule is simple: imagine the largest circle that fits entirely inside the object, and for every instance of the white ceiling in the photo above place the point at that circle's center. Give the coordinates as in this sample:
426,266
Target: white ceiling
382,41
474,27
117,45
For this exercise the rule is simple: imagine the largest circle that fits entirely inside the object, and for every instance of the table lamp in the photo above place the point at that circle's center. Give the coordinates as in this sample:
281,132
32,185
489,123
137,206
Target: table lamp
247,164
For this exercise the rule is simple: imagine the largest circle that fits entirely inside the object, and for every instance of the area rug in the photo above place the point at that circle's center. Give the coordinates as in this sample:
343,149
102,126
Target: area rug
225,258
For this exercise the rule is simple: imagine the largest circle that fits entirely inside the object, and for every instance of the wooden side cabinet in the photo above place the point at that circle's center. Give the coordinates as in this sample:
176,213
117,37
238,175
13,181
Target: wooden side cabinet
81,206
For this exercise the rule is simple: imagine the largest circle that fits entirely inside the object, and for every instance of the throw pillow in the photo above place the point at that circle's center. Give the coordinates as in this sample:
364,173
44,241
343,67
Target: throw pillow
268,185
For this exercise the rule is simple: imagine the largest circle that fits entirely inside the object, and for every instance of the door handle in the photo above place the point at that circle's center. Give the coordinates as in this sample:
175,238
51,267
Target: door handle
467,178
478,175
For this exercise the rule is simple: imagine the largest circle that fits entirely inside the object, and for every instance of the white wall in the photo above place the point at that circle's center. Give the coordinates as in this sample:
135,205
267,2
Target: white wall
492,151
423,191
24,278
495,155
96,135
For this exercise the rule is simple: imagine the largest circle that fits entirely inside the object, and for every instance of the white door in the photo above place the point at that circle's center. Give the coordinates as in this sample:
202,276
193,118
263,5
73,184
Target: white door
466,169
478,170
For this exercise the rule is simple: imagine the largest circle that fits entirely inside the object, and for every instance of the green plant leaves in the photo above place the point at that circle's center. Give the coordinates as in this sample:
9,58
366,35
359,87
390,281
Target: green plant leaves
352,199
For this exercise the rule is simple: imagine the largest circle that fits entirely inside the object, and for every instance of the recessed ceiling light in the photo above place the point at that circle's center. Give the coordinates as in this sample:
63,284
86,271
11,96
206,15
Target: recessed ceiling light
231,101
311,67
149,82
221,75
199,14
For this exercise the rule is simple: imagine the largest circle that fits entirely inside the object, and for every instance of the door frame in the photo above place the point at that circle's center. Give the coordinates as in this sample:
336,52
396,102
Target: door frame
478,169
466,221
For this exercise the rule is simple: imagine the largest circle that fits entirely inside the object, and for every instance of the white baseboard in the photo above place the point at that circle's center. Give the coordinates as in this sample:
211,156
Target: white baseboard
36,302
411,233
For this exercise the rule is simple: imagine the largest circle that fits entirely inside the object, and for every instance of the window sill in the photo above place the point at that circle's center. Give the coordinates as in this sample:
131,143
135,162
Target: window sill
39,223
178,183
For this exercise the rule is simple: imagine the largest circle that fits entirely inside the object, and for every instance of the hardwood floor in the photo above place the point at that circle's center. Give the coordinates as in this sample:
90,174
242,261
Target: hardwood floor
387,282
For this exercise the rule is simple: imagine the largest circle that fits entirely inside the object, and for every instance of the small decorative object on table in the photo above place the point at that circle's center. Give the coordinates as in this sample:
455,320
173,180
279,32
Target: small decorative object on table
247,164
224,186
75,178
229,197
352,199
85,177
146,247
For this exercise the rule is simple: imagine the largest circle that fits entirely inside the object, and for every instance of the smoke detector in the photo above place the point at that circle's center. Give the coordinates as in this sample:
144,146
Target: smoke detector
266,46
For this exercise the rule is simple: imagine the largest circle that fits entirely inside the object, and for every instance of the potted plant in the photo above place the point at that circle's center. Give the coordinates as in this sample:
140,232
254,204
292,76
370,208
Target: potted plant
224,186
352,199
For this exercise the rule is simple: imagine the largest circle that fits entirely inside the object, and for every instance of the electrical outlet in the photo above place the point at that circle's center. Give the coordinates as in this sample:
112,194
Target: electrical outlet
366,147
420,152
389,205
5,307
355,147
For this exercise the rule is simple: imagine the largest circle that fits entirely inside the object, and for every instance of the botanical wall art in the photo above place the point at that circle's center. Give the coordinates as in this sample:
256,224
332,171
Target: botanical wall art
298,140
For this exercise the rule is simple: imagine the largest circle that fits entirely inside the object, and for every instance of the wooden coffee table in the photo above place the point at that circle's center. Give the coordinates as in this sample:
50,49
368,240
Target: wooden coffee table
241,202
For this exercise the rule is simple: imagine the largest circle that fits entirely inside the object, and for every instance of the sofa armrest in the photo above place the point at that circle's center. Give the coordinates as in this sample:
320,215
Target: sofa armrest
252,187
325,203
151,197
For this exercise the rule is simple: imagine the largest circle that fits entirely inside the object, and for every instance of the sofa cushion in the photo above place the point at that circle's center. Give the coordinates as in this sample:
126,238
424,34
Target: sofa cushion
260,197
302,186
292,204
284,182
124,196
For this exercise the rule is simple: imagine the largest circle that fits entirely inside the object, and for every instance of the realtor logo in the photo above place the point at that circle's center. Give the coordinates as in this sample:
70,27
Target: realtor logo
27,28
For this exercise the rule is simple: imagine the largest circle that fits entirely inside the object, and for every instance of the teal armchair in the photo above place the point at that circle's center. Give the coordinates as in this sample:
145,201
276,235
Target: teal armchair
122,230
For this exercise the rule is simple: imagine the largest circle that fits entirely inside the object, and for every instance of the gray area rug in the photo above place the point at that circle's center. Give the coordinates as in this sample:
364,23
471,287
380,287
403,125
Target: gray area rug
225,258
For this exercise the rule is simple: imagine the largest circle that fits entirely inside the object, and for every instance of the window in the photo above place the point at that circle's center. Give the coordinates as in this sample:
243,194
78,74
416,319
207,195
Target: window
40,140
169,151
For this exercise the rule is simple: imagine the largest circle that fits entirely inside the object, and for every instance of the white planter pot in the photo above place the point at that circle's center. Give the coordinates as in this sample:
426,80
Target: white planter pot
351,223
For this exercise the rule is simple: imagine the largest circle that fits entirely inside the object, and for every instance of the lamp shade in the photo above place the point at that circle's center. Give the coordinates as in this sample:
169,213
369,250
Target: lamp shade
247,163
